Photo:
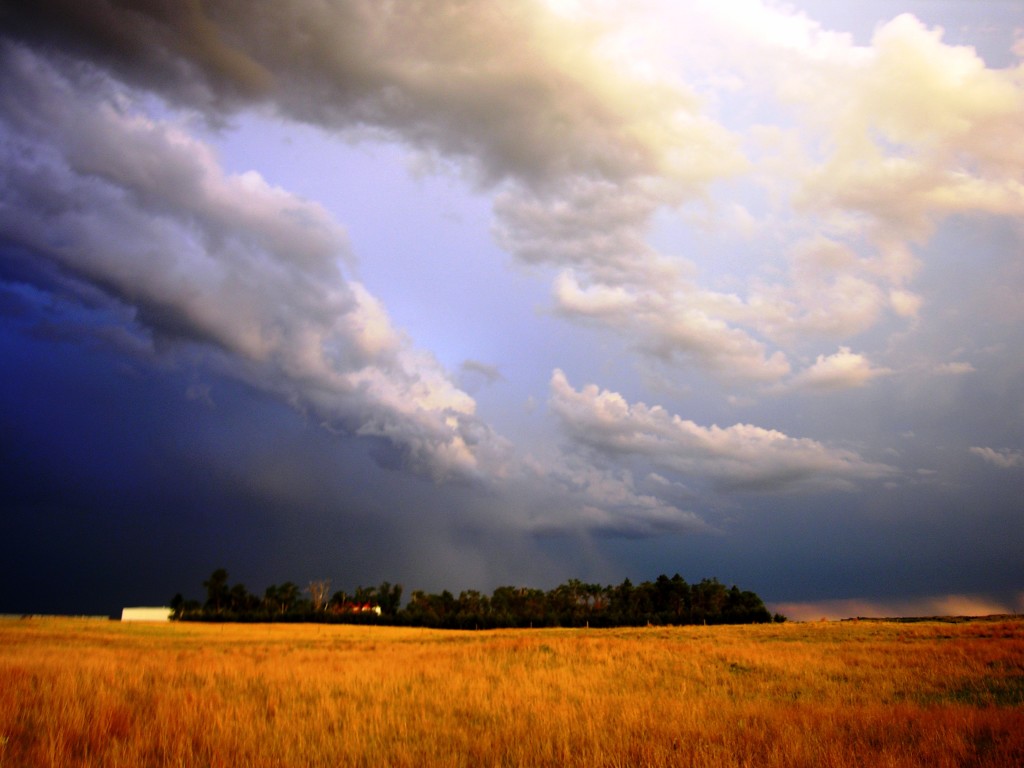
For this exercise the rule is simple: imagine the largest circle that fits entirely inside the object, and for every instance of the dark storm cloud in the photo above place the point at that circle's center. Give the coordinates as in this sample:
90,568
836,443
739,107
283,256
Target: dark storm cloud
519,93
120,488
143,212
514,88
139,211
198,370
150,42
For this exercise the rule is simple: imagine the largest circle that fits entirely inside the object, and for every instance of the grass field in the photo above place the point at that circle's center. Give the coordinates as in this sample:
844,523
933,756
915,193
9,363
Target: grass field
94,693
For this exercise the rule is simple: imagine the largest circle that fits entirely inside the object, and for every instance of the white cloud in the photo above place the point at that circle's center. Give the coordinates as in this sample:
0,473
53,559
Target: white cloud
870,175
842,370
828,291
1003,458
742,456
927,130
905,303
594,300
685,325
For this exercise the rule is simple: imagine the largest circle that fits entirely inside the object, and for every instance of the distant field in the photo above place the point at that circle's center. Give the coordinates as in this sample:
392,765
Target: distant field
95,693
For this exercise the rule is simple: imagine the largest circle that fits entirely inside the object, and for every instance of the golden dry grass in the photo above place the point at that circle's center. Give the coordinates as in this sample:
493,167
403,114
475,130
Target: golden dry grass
92,693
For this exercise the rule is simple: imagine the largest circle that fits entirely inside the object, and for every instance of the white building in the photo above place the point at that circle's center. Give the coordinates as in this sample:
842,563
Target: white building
145,614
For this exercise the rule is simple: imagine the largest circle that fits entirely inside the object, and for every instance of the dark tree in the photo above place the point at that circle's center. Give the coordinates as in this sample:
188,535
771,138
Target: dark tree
217,592
318,592
339,601
389,598
665,601
240,601
177,606
288,595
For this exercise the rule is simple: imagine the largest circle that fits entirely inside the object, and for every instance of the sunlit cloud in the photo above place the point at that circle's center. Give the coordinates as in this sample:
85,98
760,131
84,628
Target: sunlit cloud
842,370
742,456
1003,458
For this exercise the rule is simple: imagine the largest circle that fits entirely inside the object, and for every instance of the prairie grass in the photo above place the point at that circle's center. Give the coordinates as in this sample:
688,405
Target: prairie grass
93,693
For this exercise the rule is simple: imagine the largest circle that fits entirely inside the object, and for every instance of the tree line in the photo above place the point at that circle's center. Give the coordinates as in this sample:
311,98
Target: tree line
663,601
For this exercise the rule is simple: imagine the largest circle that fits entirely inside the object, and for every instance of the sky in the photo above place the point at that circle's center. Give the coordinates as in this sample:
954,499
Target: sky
461,294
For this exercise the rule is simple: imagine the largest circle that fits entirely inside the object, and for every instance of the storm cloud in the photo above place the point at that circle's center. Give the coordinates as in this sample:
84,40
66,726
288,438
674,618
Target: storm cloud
735,264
